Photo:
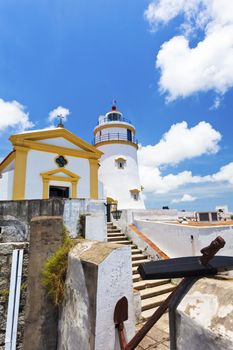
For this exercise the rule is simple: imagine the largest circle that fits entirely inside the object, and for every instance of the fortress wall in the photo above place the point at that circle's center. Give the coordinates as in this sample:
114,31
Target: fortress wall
6,250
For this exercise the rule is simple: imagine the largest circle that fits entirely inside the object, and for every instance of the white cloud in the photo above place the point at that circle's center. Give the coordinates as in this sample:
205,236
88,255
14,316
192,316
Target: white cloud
176,145
208,66
12,114
185,198
57,112
181,143
153,180
224,174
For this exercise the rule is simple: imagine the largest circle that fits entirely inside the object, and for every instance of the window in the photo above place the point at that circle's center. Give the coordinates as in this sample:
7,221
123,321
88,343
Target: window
129,135
120,162
135,194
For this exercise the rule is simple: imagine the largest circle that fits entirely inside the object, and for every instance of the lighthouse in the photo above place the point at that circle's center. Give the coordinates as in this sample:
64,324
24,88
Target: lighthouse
115,137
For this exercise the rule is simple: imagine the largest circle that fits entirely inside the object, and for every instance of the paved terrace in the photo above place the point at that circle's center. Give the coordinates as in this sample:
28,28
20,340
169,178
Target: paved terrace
157,337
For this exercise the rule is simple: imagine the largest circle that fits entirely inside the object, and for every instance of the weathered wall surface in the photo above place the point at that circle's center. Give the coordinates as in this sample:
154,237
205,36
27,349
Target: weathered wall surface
6,250
205,317
15,217
41,316
74,208
99,274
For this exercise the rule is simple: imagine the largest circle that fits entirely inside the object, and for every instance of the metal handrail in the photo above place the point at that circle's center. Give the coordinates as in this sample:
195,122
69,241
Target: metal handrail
118,119
115,136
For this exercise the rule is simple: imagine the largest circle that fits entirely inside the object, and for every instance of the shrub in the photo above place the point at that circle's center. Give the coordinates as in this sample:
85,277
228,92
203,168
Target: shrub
55,268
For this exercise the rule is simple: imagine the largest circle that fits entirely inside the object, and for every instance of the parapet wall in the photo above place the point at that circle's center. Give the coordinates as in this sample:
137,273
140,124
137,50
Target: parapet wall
204,318
15,216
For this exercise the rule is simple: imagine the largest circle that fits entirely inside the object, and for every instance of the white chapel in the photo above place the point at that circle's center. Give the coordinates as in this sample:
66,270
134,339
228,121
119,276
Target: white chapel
50,163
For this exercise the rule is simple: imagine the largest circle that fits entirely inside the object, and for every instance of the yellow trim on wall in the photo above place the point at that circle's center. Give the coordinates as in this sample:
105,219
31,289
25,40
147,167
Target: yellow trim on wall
7,161
111,201
135,190
20,173
117,125
118,142
94,193
54,133
51,176
63,151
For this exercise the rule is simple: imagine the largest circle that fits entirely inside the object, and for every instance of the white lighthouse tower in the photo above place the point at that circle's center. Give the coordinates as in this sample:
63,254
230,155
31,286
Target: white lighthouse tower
115,137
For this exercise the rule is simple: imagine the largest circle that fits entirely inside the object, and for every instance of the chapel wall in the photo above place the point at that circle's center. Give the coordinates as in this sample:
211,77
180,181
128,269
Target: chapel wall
39,162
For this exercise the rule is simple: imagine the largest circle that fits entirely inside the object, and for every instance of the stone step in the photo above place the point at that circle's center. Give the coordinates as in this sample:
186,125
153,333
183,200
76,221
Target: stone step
148,313
138,257
135,269
138,262
113,228
115,234
157,290
135,251
136,278
124,242
154,301
118,238
141,285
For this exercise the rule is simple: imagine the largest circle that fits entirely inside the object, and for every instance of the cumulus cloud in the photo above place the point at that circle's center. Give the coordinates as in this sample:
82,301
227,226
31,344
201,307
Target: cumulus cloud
153,180
184,69
13,115
185,198
176,145
224,174
180,143
58,112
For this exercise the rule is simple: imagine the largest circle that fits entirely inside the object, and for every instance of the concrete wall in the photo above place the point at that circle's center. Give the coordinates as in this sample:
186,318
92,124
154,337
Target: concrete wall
204,318
183,240
15,216
41,316
99,274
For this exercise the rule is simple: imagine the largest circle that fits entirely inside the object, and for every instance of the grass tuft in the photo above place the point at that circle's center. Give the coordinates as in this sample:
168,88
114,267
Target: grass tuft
55,268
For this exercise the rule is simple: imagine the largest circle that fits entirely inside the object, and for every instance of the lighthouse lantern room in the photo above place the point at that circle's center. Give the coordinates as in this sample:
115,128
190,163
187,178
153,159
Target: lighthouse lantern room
115,137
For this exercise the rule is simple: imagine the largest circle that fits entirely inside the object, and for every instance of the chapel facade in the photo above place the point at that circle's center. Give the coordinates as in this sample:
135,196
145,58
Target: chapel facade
50,163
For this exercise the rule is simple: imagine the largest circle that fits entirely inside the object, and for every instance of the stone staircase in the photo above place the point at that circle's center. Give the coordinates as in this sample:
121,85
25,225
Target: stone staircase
153,292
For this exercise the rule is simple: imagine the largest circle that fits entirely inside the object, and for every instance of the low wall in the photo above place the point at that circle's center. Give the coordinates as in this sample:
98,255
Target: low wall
99,274
204,318
178,240
15,216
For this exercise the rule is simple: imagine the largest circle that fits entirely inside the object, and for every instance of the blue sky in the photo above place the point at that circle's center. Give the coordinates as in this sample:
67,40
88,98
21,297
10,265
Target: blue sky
82,55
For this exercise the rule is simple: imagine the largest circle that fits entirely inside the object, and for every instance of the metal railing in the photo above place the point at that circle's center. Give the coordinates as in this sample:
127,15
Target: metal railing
119,118
116,136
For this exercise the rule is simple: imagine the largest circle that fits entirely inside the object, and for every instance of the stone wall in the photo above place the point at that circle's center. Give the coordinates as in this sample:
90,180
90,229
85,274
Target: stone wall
6,250
15,216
